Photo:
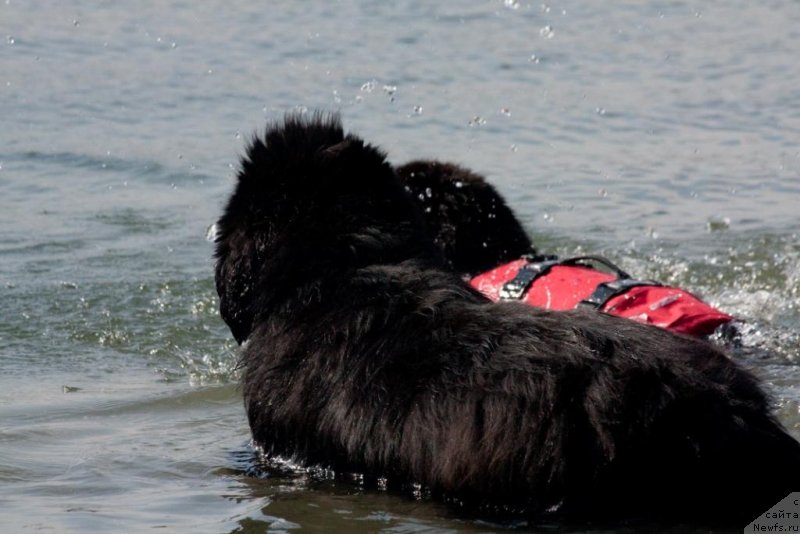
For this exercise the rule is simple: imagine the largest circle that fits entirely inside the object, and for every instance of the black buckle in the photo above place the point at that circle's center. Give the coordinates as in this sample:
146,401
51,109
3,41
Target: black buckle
515,288
608,290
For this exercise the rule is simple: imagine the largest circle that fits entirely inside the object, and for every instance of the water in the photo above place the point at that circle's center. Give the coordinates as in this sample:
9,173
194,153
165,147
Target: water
661,134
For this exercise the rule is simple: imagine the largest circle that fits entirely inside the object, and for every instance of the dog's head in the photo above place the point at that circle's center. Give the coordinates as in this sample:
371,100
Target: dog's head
307,198
468,219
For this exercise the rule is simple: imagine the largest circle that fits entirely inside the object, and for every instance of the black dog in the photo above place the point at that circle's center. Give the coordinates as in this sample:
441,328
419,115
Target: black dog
364,354
482,239
468,219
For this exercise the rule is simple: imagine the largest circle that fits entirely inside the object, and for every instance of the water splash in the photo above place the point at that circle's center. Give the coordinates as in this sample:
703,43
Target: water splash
547,32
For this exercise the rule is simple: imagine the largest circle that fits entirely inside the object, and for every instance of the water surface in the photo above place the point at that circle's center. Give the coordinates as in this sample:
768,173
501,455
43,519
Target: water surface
661,134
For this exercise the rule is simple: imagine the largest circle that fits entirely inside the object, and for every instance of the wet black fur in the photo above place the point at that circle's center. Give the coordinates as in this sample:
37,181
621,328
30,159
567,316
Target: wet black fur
468,219
364,354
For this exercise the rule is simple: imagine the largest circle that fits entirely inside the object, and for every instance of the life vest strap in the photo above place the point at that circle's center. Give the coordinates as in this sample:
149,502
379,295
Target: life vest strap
608,290
516,288
538,266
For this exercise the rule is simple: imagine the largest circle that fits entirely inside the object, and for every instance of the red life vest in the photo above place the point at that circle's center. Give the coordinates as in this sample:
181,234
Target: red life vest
567,284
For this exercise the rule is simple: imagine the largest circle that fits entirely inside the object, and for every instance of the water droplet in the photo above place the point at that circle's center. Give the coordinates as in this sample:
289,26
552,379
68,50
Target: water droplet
390,89
174,44
547,32
534,58
10,39
505,111
428,192
513,148
418,110
477,120
459,185
600,111
368,87
511,4
76,22
602,192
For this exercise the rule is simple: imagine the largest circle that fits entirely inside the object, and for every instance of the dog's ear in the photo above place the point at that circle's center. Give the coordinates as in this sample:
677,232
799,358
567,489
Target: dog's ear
235,274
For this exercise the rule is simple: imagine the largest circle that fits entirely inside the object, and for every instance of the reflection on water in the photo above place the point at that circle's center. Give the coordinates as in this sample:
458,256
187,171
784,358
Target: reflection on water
662,135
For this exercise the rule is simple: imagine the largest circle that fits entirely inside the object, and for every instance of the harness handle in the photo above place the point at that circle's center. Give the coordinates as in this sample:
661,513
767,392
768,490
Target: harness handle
597,259
538,266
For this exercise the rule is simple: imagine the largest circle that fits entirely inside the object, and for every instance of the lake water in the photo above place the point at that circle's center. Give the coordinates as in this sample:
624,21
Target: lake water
661,134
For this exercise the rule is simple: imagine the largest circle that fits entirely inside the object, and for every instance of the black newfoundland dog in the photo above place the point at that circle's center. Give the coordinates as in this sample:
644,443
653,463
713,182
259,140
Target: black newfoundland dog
467,218
478,233
364,354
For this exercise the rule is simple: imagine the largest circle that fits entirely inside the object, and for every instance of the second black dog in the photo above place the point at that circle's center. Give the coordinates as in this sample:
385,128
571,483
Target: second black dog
468,219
